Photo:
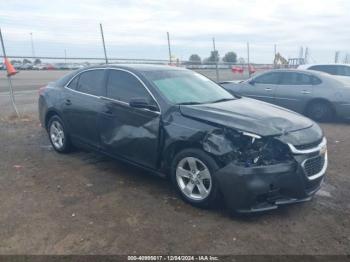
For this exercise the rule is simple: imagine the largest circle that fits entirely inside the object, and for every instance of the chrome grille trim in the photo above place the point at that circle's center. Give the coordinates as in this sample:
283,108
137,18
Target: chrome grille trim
296,151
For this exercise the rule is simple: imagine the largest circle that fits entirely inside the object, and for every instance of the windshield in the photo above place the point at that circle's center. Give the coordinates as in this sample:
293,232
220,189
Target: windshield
187,87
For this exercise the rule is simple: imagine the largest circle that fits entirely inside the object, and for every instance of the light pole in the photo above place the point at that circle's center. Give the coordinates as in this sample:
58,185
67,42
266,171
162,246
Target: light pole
216,54
32,44
169,49
103,43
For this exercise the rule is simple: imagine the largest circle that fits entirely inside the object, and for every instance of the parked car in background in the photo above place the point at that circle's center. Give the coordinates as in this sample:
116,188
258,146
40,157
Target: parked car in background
26,66
178,123
333,69
315,94
39,67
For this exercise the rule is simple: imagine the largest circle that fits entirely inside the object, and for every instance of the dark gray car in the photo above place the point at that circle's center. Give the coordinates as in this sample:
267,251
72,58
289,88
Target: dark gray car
315,94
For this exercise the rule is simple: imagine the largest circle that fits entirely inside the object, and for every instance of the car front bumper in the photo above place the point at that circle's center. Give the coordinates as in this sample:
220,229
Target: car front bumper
262,188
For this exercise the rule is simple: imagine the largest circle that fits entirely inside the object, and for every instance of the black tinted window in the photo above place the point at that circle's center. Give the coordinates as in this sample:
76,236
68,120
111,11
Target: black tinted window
269,78
65,79
74,83
91,82
123,86
330,69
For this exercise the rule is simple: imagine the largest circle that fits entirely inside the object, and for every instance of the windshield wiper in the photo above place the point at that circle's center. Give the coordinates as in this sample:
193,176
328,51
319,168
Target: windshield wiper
222,100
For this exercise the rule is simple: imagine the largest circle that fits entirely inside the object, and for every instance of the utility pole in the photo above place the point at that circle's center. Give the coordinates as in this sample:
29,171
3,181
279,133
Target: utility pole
32,44
248,61
12,96
65,56
274,57
103,43
336,57
216,61
169,49
306,58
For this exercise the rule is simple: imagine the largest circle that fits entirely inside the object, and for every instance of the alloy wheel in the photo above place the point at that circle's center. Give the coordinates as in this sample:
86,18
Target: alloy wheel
193,178
57,135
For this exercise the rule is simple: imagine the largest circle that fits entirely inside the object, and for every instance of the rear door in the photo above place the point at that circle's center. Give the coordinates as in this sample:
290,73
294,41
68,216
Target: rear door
261,87
125,131
294,90
82,105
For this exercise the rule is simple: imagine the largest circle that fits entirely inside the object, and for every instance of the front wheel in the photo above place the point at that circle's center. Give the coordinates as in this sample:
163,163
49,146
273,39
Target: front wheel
192,173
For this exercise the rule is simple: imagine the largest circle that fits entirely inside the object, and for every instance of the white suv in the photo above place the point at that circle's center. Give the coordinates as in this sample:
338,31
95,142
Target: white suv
333,69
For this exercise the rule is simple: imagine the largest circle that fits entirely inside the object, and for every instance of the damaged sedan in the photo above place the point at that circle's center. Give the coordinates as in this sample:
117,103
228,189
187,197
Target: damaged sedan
214,146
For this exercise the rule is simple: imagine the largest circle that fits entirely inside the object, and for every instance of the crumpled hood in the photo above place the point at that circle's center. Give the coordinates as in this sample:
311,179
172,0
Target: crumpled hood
249,115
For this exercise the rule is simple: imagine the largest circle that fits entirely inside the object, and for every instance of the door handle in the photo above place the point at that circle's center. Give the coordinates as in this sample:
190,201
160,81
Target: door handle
268,89
68,102
305,92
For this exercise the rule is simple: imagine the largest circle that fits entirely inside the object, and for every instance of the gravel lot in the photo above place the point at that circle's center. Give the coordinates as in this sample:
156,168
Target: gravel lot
83,203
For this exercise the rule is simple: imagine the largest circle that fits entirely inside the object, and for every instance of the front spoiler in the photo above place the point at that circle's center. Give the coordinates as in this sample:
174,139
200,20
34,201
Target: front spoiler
257,189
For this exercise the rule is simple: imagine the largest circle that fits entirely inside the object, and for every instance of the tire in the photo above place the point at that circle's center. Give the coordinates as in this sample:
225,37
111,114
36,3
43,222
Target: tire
59,138
197,186
320,111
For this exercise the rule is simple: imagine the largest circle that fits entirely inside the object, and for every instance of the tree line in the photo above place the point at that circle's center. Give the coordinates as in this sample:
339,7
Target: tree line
229,57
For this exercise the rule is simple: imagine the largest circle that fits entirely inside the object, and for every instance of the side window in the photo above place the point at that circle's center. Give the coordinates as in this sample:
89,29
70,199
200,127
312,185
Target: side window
303,79
91,82
325,68
269,78
316,80
74,83
294,78
123,86
289,78
343,70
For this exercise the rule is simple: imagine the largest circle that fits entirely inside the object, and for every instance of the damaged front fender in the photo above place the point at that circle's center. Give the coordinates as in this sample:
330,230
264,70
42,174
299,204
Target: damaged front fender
245,149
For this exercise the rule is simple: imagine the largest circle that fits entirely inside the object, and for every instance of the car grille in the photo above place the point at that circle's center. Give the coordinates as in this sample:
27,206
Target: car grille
308,146
313,166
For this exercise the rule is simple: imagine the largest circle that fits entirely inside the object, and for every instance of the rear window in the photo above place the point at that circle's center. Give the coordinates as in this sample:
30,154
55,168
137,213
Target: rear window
65,79
91,82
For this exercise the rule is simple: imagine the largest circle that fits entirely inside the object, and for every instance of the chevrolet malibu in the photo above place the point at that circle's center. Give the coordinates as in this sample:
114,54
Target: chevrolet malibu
214,146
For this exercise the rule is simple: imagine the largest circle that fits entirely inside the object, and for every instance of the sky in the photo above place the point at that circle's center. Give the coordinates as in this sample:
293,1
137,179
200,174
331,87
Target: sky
137,28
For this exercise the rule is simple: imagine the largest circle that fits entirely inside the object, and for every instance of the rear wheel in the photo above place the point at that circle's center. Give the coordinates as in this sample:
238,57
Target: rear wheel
59,138
320,111
192,175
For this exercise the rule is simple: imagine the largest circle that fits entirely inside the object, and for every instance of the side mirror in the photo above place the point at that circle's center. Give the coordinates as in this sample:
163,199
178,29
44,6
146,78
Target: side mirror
141,103
252,82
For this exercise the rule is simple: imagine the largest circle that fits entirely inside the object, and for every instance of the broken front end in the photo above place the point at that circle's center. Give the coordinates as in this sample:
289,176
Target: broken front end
260,173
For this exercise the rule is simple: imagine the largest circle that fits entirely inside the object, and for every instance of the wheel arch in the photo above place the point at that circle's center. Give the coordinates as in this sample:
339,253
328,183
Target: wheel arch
319,99
174,148
50,113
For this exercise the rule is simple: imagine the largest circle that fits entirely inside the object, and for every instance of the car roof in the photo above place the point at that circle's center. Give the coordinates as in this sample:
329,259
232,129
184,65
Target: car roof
137,67
306,66
296,70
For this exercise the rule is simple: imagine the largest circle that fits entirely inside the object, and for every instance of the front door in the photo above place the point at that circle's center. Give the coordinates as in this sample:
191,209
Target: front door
127,132
261,87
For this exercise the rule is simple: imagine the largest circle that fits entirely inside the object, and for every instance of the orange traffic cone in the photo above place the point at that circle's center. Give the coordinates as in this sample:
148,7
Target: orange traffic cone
9,67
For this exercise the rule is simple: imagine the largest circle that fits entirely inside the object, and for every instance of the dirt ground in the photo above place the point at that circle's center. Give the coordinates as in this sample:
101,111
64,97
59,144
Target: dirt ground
83,203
